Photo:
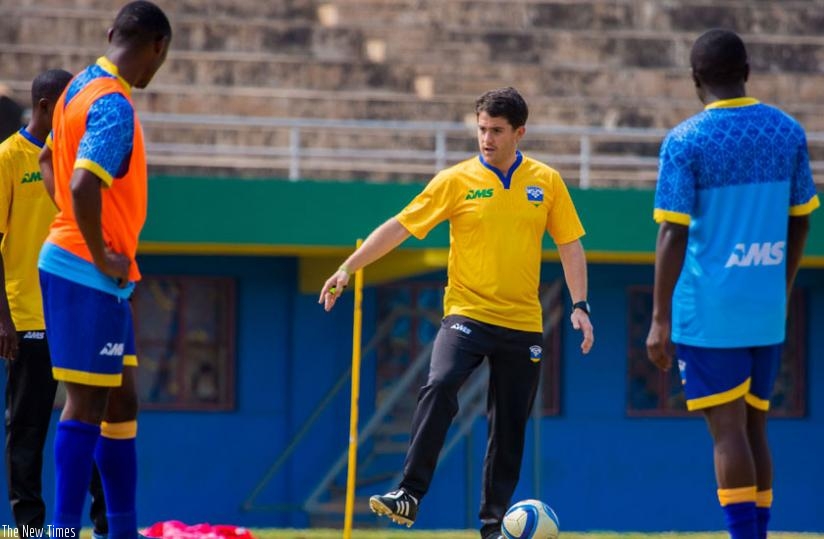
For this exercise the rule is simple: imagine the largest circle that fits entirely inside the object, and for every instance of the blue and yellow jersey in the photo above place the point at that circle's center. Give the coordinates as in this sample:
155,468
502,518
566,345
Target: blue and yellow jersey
26,211
96,128
497,223
733,173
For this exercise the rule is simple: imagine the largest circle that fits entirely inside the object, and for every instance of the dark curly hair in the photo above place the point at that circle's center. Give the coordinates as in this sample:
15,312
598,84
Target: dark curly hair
506,103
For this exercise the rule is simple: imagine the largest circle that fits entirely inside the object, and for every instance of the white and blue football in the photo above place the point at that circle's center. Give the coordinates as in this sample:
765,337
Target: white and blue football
530,519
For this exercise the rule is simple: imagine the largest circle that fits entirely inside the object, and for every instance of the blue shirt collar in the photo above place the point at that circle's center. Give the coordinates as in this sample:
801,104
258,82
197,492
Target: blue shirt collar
506,179
31,138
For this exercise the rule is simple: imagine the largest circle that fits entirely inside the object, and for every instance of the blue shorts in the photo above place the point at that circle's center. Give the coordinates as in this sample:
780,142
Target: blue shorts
713,376
90,333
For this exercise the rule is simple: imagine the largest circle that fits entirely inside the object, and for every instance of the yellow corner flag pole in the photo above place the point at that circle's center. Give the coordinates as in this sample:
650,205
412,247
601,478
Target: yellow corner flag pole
353,406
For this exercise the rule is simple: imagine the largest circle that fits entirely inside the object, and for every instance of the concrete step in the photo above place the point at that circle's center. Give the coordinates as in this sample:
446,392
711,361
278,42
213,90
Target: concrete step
249,10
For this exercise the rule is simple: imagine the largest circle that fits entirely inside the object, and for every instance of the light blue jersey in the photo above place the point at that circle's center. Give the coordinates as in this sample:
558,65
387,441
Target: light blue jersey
734,173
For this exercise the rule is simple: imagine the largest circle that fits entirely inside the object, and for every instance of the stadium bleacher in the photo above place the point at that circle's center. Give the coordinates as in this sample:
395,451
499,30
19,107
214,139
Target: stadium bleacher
594,63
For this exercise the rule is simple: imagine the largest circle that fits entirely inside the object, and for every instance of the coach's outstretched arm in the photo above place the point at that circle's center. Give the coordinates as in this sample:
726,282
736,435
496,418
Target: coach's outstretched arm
381,241
574,262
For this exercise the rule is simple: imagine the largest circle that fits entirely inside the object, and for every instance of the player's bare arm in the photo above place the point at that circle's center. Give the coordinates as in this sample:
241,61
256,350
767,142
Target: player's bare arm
8,333
87,204
47,171
574,262
799,227
381,241
670,249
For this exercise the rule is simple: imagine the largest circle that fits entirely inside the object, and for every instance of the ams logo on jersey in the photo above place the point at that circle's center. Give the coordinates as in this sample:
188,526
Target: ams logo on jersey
31,177
112,349
756,254
478,193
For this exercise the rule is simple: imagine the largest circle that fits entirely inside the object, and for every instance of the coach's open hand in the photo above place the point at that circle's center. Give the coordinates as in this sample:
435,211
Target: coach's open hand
580,320
333,288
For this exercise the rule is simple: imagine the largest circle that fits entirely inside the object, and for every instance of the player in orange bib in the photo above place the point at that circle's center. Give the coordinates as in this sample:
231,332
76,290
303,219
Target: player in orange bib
95,167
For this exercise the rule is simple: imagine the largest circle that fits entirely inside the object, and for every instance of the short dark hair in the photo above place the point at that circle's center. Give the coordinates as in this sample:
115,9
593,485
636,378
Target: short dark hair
719,57
49,85
504,102
139,23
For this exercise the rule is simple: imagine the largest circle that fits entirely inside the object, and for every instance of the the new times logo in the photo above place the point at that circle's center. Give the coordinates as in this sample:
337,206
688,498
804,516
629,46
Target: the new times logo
25,532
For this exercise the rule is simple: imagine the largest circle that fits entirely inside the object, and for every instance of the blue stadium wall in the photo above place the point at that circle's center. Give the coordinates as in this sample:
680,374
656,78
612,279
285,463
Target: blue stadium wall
600,469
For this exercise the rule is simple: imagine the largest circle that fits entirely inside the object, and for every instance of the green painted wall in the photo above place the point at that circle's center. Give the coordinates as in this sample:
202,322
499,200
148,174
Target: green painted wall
307,214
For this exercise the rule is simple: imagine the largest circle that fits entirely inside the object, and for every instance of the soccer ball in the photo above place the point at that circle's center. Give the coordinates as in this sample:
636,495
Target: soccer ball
530,519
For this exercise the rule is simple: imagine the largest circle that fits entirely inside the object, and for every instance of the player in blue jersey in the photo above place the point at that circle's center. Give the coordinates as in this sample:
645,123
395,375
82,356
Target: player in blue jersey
96,169
733,200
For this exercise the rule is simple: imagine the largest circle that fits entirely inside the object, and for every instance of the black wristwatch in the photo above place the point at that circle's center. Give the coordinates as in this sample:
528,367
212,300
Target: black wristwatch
583,305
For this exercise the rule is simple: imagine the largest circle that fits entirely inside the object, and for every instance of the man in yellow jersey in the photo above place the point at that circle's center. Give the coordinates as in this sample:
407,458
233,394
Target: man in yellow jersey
499,205
25,215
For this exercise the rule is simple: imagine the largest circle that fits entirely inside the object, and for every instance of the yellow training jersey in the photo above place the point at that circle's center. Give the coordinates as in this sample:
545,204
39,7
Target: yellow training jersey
26,211
496,226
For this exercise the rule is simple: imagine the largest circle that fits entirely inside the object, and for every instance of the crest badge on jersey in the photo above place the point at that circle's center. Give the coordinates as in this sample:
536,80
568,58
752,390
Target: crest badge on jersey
535,353
534,194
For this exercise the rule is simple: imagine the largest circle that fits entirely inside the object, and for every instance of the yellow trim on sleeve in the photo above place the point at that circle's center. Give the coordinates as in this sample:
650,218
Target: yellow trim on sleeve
110,67
94,168
806,208
755,402
719,398
119,431
671,217
130,360
409,228
729,496
87,378
730,103
50,140
764,498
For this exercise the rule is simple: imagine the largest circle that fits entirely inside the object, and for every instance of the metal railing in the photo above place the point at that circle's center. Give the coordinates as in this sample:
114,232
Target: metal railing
415,149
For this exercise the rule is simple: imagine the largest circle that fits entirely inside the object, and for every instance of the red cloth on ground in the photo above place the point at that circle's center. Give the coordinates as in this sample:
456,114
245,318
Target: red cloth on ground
174,529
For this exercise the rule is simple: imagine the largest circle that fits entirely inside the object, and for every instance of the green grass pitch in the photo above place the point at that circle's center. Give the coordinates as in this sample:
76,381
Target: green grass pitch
473,534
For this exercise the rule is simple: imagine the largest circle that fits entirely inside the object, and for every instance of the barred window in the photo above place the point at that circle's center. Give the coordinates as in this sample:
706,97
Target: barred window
185,342
184,330
409,316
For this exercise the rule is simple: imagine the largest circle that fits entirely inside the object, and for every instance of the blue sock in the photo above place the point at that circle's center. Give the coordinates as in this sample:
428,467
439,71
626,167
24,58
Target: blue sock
741,520
763,502
117,461
74,445
763,516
